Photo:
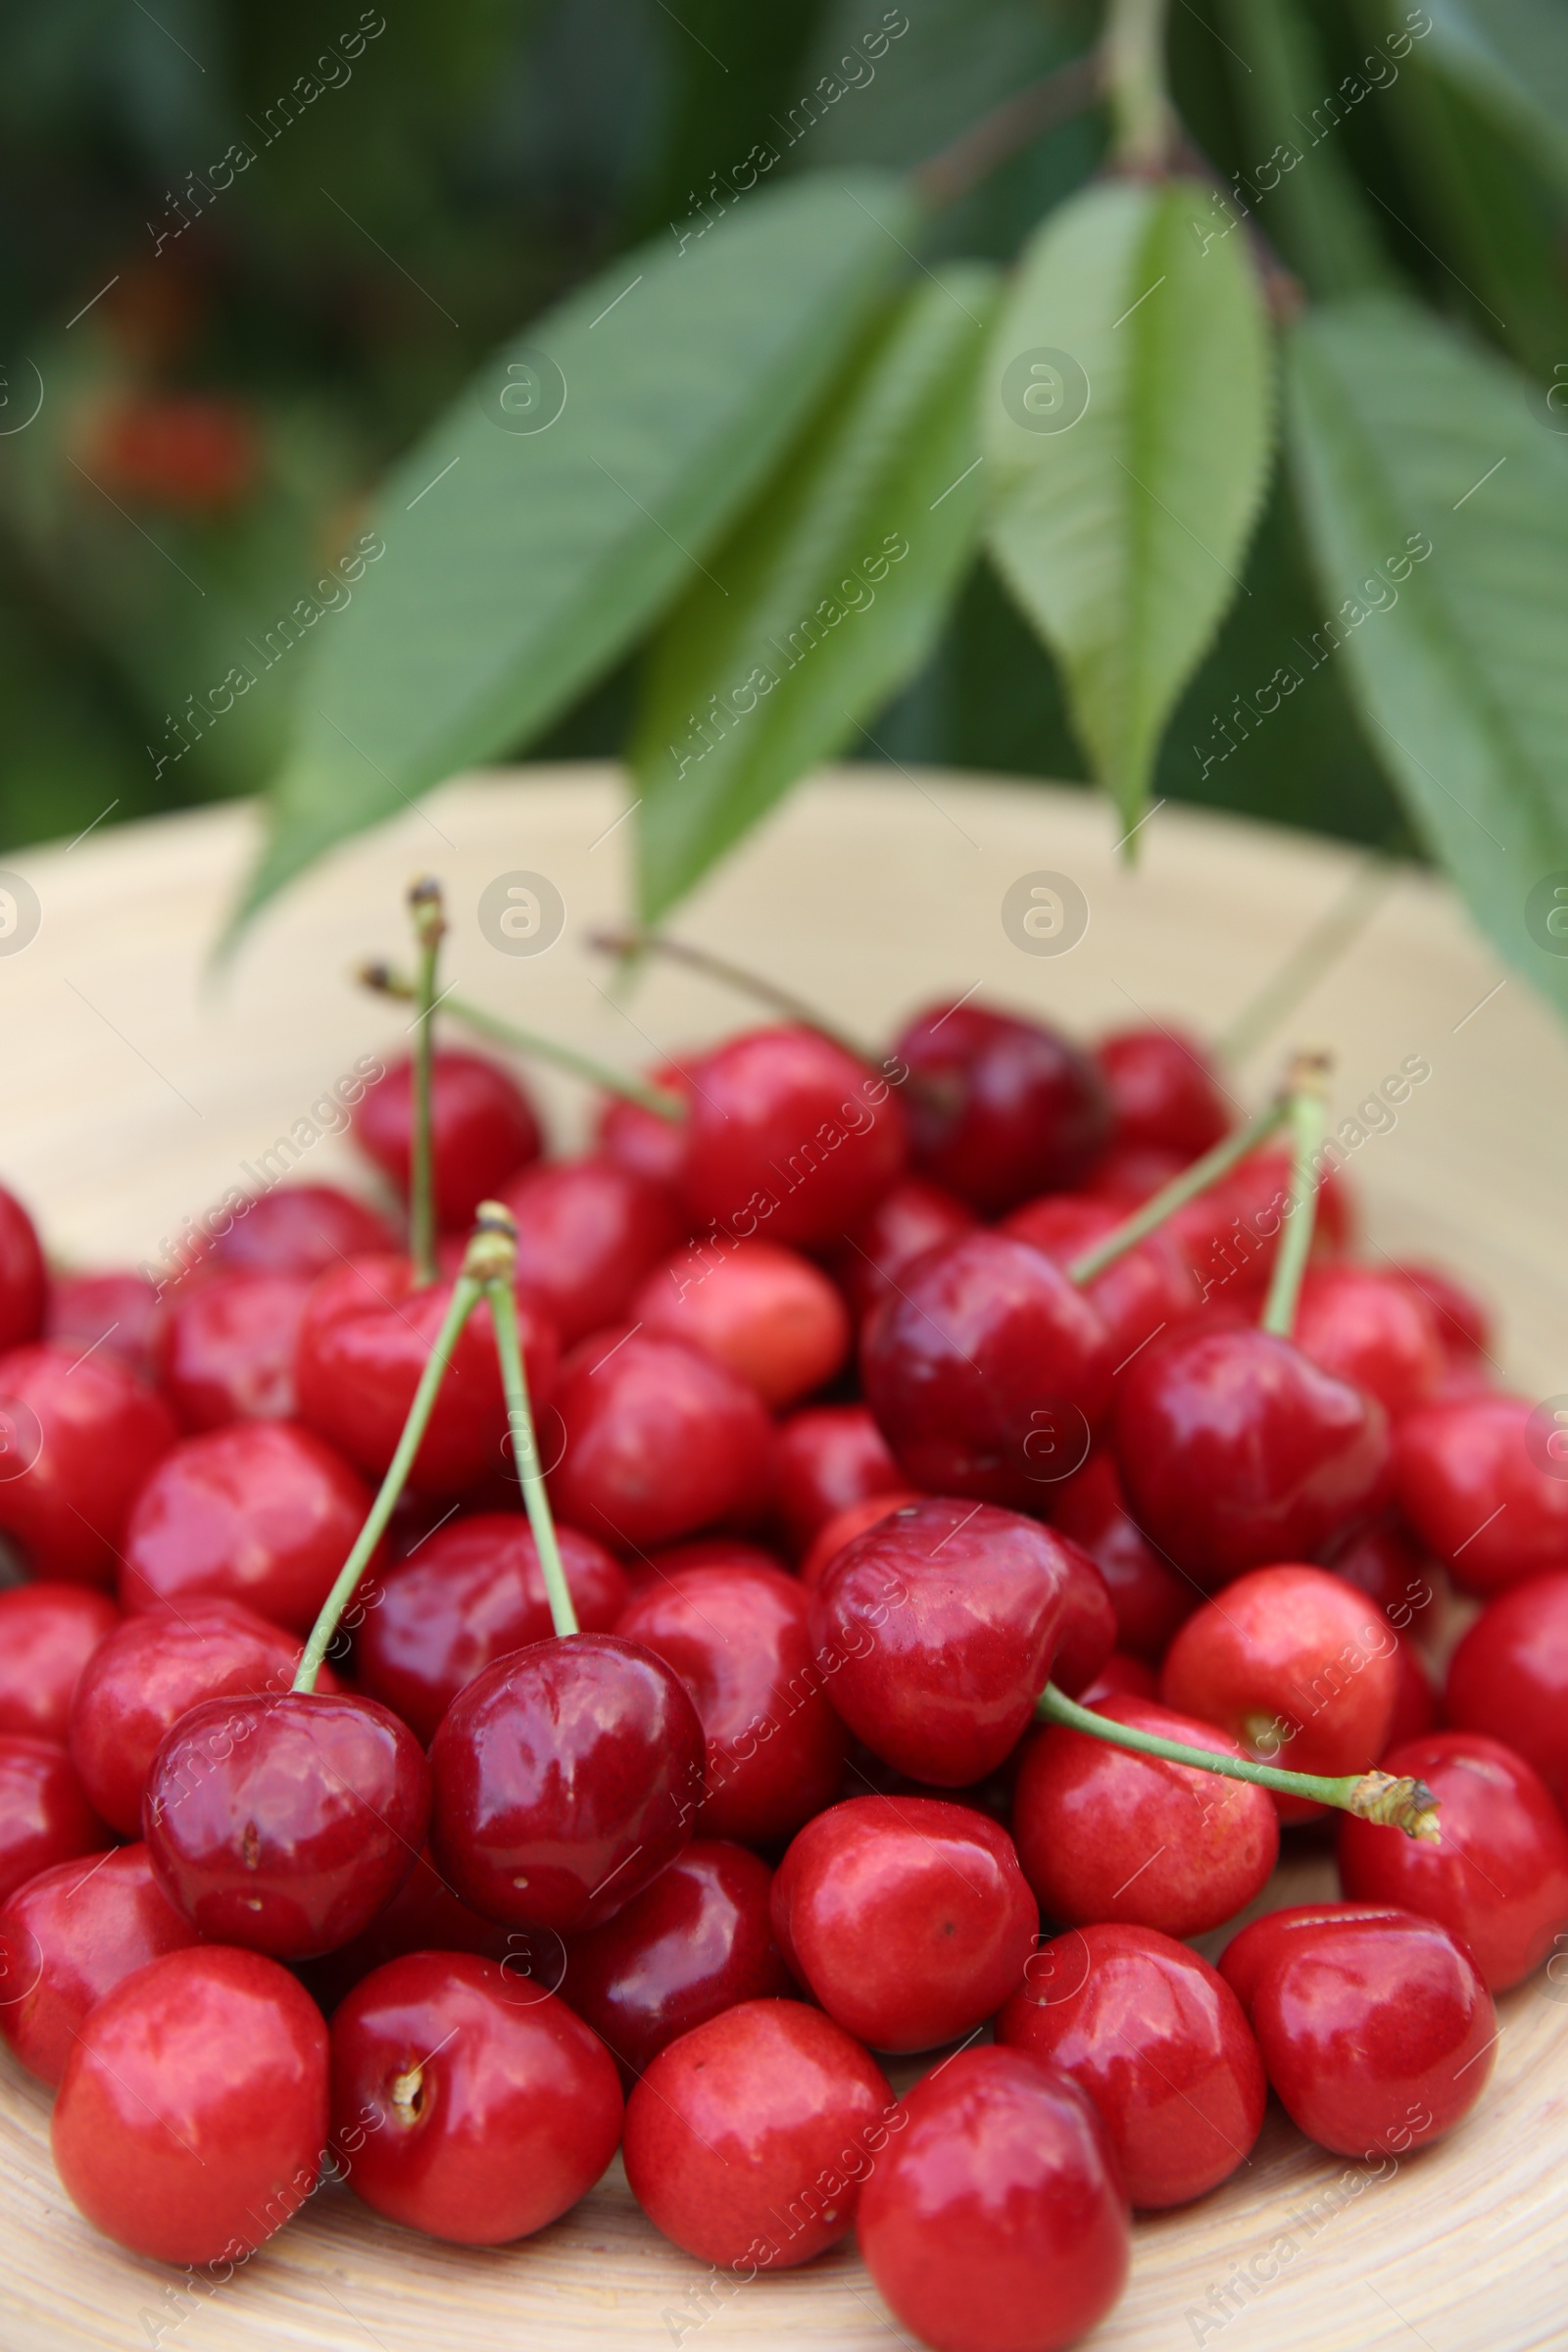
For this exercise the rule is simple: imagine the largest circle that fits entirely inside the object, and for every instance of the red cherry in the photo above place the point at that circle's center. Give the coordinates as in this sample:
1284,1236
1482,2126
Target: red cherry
192,453
908,1916
44,1814
644,1141
1415,1707
856,1519
226,1352
588,1230
767,1312
1474,1483
1464,1321
909,1219
301,1229
286,1824
114,1312
78,1437
471,1593
565,1777
1148,1291
998,1106
1229,1234
1087,1634
1149,1599
997,2221
483,1130
1372,1330
1498,1880
69,1936
1253,1949
1235,1451
47,1634
262,1513
1509,1676
987,1372
696,1942
1378,1558
1159,2042
23,1278
786,1129
937,1630
1163,1092
737,1637
467,2102
829,1456
1130,1174
658,1440
1122,1676
366,1337
747,2141
1103,1834
176,2157
1295,1667
702,1552
149,1673
425,1915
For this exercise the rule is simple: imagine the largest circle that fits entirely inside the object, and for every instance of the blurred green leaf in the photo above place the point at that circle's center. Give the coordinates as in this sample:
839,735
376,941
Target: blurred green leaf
1403,435
518,566
1511,56
1127,419
826,597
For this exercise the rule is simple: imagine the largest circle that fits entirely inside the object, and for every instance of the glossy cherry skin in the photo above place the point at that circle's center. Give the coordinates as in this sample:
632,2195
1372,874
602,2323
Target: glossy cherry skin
44,1814
765,1311
225,1350
999,1106
644,1141
790,1136
301,1229
469,2102
910,1218
1253,1950
987,1372
483,1129
1509,1676
588,1231
151,1671
285,1825
176,2157
1235,1451
565,1777
474,1591
697,1941
748,2139
113,1312
1103,1834
1296,1667
22,1280
738,1639
68,1938
1371,1329
856,1519
262,1513
936,1631
47,1634
908,1916
78,1437
658,1440
829,1456
1148,1291
1150,1598
1499,1881
1471,1487
997,2221
1087,1634
1160,2043
1163,1093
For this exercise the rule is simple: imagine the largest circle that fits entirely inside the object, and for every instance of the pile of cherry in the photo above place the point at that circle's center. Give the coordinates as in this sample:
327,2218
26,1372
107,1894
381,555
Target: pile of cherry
494,1899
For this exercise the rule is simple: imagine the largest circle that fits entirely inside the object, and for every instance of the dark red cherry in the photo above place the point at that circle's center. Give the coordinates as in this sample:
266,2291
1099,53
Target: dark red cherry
1146,1292
1235,1451
999,1106
1160,2043
1464,1321
565,1777
23,1278
1150,1598
644,1141
1479,1486
739,1641
701,1551
997,2221
658,1440
285,1825
466,2102
1381,1560
78,1437
69,1936
225,1350
262,1512
1415,1705
1229,1234
697,1941
1130,1174
1122,1676
747,2141
588,1230
912,1218
1368,1328
936,1631
44,1814
1164,1094
767,1312
829,1456
788,1136
425,1915
908,1916
856,1519
1497,1881
174,2155
1509,1676
1253,1949
471,1593
1087,1634
301,1229
987,1372
483,1129
47,1634
113,1312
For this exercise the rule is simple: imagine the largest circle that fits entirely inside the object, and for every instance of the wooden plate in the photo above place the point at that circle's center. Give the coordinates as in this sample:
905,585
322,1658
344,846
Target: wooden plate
139,1083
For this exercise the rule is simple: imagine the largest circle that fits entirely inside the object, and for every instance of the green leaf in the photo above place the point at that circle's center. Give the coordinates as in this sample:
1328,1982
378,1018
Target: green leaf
828,594
1511,56
1403,435
518,566
1122,526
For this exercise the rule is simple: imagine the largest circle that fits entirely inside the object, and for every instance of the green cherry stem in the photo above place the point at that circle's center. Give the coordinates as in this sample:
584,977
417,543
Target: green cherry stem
628,943
501,1233
1399,1803
429,927
1181,1189
1308,1113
